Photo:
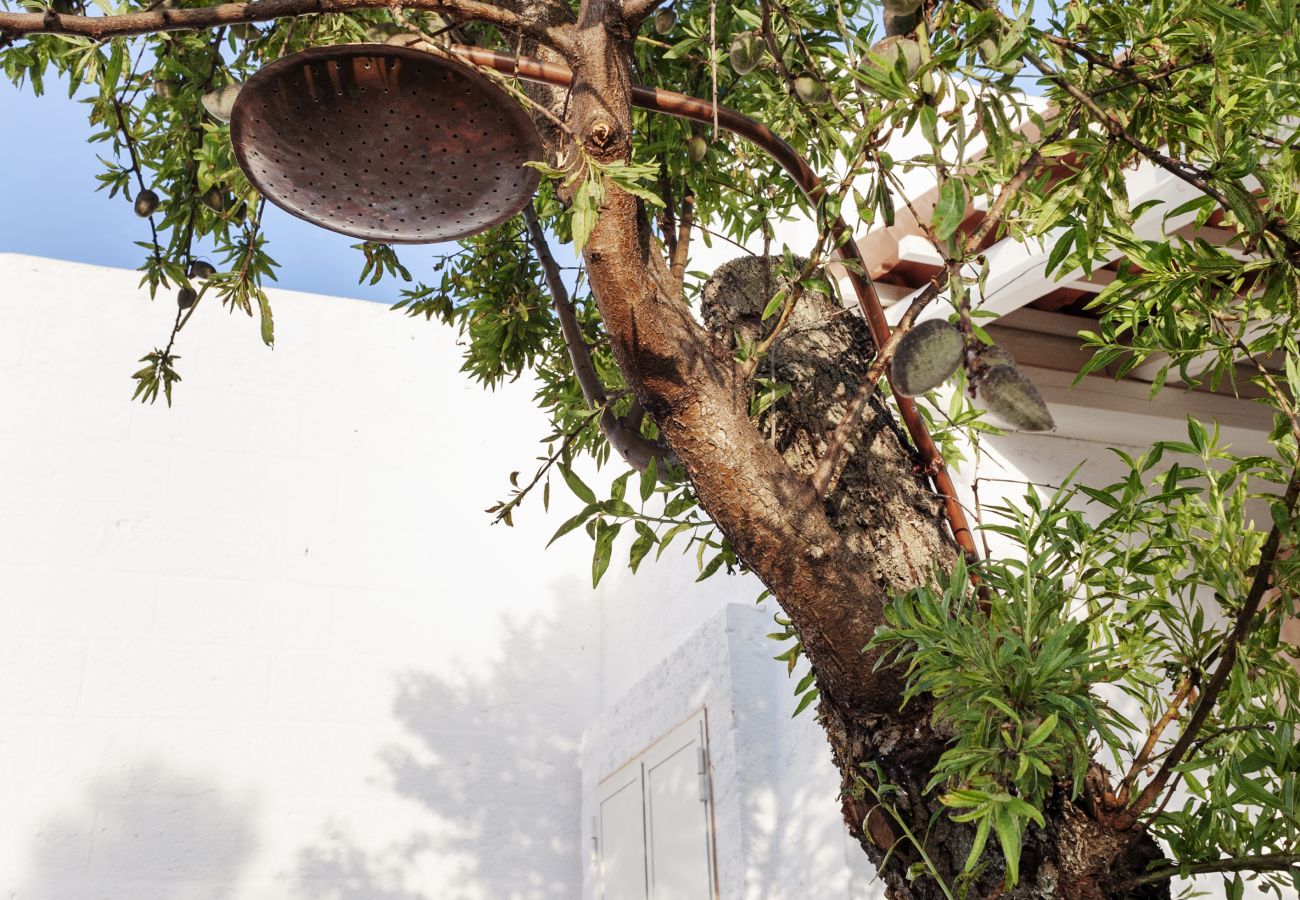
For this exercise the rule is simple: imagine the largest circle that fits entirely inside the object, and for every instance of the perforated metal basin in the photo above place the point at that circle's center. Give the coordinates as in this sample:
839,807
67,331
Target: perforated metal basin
385,143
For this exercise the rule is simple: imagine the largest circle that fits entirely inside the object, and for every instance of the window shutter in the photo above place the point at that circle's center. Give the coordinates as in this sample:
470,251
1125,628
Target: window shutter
655,837
621,846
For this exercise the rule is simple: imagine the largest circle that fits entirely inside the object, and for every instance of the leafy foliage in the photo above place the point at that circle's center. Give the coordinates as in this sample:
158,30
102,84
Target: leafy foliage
1114,603
1019,668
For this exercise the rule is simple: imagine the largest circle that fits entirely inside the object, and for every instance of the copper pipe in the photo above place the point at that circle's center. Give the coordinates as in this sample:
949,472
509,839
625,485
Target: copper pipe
675,104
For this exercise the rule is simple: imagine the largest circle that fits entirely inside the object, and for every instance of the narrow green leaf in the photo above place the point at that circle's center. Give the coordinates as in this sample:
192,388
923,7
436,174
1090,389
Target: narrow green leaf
1042,732
583,493
804,702
949,210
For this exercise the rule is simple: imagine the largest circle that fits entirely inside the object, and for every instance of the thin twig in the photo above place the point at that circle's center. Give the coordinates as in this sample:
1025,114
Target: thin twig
713,61
1269,862
1143,757
1279,396
555,29
503,510
682,243
824,477
625,437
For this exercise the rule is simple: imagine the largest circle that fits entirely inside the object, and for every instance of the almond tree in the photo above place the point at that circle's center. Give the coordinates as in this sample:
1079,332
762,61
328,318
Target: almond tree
978,757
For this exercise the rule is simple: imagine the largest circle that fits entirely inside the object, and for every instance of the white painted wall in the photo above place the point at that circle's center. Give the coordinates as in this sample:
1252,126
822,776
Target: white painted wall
265,644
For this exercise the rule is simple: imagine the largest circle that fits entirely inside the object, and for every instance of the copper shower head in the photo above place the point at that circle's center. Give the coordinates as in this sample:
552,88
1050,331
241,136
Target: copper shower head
385,143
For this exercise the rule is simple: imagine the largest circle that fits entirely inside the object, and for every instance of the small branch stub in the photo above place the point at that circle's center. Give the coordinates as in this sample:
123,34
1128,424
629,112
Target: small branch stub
602,134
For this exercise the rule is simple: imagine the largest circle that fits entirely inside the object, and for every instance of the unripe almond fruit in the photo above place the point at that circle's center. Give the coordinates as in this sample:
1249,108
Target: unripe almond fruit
925,358
215,199
202,269
220,102
1012,397
810,90
891,48
382,31
145,203
697,148
746,51
665,20
186,297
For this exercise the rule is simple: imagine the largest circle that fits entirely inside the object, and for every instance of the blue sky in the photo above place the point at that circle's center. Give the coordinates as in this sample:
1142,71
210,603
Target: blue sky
49,206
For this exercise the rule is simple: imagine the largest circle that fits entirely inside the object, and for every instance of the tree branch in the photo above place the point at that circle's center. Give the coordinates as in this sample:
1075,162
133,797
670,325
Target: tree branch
1269,862
1153,737
625,437
825,476
682,246
1227,658
771,515
550,28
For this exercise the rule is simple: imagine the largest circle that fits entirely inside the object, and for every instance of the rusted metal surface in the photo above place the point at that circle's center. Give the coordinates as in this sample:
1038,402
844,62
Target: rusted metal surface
796,167
385,143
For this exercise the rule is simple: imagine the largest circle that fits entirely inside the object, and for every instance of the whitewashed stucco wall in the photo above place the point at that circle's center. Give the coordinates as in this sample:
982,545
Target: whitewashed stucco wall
265,644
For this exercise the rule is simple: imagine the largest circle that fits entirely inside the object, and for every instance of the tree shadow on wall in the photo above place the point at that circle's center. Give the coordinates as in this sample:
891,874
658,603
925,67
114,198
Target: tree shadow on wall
493,762
158,835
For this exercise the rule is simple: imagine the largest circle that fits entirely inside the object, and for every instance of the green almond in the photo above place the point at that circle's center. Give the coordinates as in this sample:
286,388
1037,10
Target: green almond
746,51
1012,397
925,358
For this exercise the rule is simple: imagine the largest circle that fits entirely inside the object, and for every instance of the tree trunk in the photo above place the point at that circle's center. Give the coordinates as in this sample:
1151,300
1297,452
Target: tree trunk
832,564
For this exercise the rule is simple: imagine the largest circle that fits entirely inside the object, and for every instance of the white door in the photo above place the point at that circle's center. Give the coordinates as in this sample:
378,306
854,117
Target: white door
655,839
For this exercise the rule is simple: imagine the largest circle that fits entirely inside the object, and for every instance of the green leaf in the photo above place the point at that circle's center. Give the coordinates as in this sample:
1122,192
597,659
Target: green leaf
585,212
774,305
1008,829
977,845
616,507
711,567
930,124
1060,251
1042,732
583,493
267,322
641,546
949,210
805,682
649,478
681,49
804,702
572,523
1244,205
605,535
